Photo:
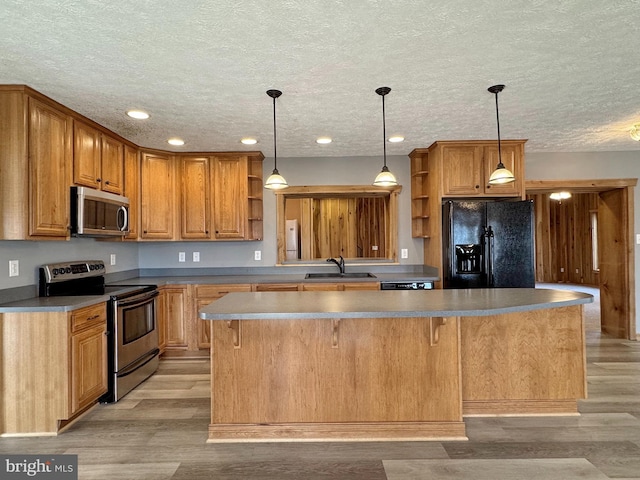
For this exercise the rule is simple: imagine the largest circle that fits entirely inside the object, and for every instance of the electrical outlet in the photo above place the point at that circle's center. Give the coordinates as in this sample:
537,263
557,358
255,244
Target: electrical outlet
638,238
113,259
182,257
561,269
196,256
257,255
404,253
577,271
14,268
374,248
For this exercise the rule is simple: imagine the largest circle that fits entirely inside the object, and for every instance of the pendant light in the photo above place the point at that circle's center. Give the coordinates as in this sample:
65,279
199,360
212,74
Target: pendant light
500,175
385,178
275,180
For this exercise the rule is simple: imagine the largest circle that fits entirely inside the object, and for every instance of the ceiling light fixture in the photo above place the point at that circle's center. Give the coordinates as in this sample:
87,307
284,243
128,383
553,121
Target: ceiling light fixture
323,140
396,139
178,142
275,180
249,141
635,132
385,178
559,196
500,175
138,114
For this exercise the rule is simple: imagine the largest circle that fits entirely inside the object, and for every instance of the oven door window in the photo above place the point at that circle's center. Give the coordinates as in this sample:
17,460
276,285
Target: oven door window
137,322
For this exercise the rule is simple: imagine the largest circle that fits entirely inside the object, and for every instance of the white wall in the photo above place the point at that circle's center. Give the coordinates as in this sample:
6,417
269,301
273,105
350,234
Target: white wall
588,166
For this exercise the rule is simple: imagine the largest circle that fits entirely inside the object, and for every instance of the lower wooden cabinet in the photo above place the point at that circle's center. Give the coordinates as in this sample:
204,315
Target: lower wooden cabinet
88,356
173,314
55,366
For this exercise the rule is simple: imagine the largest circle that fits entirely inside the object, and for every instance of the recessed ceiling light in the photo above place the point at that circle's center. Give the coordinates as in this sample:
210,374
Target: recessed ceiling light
249,141
396,139
138,114
323,140
176,141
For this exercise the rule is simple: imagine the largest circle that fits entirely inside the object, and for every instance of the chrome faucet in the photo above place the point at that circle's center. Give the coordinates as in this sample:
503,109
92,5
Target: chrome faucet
340,263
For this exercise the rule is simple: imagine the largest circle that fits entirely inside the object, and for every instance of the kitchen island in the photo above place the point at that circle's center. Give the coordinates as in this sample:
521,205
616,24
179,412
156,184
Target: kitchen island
390,365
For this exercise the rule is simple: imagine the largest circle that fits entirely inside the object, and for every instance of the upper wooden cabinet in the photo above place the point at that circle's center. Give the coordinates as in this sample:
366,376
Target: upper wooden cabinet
467,166
220,196
35,166
98,160
195,197
49,170
230,193
132,189
157,192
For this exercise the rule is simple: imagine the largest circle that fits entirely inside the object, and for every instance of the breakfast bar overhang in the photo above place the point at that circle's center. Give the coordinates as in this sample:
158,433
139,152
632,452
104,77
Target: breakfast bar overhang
390,365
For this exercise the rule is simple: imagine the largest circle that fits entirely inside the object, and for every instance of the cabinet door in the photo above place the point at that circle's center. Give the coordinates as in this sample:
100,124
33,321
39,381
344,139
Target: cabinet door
230,201
112,165
132,189
361,286
86,155
195,198
88,366
462,170
157,197
175,308
50,160
510,159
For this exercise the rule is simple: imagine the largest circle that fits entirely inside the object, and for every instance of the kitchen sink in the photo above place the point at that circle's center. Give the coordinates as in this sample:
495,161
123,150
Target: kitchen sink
341,275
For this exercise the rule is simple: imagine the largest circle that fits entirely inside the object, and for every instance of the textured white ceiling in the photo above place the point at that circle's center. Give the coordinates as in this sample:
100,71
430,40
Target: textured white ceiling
201,69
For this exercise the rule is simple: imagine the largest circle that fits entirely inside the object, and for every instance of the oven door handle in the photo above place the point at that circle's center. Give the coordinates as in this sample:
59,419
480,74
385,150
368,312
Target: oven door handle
138,300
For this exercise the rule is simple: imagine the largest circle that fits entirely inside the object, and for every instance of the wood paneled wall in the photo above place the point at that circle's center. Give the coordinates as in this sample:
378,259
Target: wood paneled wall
564,239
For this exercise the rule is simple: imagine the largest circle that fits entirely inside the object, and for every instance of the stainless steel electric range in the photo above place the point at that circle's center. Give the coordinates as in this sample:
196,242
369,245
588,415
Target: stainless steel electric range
132,330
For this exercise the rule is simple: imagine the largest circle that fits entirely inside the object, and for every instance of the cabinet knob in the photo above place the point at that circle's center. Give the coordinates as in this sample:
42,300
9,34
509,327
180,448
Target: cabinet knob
145,231
98,180
107,182
477,186
488,186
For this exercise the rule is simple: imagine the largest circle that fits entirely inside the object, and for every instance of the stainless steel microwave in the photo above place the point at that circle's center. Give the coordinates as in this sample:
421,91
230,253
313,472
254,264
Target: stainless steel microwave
98,214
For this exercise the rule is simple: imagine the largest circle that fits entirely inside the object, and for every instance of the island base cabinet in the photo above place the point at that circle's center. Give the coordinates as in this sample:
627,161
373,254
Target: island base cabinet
327,379
523,363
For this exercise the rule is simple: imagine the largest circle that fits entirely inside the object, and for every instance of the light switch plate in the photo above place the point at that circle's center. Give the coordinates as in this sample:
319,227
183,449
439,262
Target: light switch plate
638,238
404,253
182,257
196,256
257,255
113,259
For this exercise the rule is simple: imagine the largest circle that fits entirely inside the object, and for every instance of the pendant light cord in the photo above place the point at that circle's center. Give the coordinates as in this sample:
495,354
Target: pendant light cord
500,164
384,135
275,148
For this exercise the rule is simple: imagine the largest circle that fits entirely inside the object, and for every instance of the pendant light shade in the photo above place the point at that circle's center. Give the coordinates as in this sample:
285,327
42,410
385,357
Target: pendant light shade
501,174
275,180
385,178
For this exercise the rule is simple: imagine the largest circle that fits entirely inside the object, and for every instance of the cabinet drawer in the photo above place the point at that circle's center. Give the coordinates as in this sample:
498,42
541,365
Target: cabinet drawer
88,317
217,290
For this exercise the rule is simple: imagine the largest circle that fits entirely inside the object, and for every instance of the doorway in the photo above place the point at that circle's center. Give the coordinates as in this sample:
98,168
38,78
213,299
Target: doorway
616,281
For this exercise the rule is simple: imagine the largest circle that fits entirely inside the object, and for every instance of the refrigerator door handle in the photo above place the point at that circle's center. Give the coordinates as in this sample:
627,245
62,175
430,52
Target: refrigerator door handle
489,255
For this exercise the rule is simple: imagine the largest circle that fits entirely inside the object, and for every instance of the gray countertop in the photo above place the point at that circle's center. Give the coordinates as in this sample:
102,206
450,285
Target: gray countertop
372,304
67,304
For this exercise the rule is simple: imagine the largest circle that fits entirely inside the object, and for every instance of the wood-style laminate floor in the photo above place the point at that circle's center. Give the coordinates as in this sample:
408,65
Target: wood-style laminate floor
159,431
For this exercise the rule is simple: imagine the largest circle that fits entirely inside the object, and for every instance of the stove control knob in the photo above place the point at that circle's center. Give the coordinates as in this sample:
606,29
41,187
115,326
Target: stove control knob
54,272
68,270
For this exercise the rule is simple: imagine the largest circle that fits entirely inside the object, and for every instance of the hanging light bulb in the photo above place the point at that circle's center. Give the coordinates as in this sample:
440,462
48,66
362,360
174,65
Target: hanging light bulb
635,132
385,178
501,174
275,180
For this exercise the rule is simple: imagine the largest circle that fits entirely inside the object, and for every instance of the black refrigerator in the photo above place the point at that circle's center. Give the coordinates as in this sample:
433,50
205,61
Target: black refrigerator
488,244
